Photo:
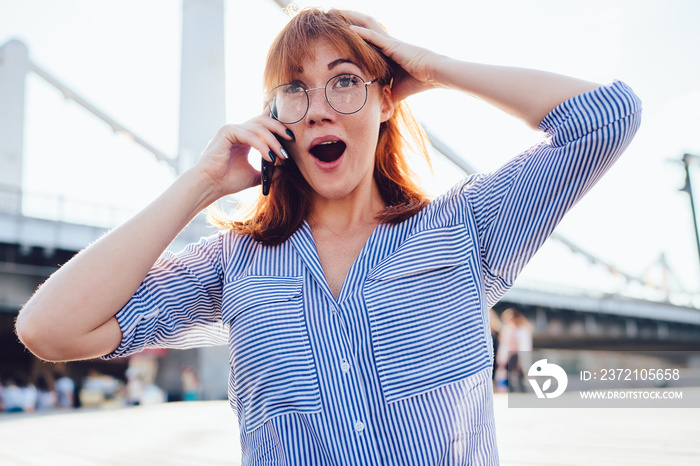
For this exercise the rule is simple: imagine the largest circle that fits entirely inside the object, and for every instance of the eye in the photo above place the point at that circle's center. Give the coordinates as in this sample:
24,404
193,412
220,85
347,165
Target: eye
346,81
293,89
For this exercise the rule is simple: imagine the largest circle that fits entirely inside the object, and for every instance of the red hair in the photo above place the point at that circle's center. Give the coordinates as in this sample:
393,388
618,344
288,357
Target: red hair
277,216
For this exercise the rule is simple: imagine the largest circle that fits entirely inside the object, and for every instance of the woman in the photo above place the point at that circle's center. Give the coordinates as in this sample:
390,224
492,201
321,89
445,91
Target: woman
514,355
354,309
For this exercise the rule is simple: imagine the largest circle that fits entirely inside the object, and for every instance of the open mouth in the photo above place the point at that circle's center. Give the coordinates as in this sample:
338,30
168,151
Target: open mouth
328,151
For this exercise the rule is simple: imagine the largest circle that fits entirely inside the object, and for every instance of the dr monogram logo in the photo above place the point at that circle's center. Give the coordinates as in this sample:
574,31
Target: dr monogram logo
544,370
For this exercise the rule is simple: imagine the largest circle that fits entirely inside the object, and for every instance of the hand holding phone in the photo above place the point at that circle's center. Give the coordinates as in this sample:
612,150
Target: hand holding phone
267,168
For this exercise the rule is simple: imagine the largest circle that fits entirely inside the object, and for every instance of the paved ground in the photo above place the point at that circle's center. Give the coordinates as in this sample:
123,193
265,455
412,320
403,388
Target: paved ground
205,433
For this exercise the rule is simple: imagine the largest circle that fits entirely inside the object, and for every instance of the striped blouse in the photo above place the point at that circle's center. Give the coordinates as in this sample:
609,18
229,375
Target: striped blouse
397,369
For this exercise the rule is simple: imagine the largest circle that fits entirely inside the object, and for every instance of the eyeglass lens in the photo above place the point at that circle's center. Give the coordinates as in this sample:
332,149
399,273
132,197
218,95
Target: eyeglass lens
346,93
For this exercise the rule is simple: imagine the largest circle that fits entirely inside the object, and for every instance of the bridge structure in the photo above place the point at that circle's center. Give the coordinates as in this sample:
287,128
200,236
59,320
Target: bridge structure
38,233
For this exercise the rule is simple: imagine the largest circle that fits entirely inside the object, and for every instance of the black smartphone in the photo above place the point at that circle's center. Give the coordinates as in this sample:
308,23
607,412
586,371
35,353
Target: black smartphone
266,169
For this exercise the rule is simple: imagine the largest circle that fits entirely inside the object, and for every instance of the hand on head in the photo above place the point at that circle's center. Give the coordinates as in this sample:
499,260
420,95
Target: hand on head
413,64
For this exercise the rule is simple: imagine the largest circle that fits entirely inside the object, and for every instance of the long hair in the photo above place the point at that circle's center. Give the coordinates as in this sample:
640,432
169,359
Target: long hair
274,218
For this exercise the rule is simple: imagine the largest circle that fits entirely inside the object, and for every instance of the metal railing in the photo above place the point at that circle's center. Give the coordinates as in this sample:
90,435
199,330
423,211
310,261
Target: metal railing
24,204
117,127
59,208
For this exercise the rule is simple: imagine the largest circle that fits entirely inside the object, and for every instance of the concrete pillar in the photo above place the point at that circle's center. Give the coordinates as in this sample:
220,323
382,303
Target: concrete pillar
202,91
202,112
14,64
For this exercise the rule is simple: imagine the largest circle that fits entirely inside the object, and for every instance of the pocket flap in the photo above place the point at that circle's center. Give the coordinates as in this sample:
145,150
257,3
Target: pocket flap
426,250
257,290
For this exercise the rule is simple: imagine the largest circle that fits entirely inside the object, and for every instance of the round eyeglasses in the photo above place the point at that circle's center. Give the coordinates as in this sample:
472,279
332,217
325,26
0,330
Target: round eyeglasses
345,93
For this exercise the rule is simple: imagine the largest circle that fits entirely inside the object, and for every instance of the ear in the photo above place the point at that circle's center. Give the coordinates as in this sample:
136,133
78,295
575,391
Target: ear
387,103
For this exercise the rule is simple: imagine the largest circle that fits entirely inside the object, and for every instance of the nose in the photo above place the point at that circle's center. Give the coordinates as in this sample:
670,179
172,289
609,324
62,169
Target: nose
319,108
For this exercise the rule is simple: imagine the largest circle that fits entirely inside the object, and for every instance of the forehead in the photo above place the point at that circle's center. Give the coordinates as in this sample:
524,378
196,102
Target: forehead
322,58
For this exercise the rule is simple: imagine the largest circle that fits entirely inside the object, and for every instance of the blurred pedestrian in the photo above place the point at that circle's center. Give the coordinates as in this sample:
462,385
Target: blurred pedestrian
191,388
141,377
515,350
65,387
98,388
495,324
12,398
29,393
47,398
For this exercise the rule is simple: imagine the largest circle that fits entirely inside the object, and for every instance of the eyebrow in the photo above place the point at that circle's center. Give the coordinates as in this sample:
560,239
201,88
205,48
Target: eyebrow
339,61
333,64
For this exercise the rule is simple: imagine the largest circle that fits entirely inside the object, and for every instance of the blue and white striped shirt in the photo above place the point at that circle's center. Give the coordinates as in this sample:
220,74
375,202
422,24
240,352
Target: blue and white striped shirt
397,370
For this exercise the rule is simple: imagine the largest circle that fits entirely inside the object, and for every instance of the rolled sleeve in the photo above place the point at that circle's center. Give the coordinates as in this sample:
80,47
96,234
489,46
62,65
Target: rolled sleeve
589,112
178,304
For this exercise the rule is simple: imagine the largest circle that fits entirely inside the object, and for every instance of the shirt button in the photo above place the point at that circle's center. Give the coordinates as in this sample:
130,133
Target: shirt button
359,426
345,367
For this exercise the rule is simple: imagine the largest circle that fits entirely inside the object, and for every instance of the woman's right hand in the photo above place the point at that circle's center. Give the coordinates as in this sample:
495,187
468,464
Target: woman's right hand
224,163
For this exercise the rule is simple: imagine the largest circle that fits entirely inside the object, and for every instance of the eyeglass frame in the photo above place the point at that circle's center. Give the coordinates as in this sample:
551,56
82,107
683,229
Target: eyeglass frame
325,93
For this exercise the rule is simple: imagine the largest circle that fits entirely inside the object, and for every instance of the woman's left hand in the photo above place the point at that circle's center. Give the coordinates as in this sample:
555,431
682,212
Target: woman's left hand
414,73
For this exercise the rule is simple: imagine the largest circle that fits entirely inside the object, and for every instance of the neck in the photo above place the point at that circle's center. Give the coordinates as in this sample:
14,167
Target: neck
356,209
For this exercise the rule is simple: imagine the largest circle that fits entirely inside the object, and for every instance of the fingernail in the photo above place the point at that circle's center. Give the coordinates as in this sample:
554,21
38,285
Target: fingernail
284,153
272,156
291,135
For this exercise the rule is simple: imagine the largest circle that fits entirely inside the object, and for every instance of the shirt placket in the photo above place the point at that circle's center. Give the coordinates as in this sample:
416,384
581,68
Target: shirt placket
358,410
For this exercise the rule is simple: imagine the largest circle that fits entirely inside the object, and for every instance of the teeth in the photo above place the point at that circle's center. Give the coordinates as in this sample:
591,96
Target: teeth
329,142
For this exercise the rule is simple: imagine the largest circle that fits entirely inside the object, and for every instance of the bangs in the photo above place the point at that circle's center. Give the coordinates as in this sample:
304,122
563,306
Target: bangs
296,43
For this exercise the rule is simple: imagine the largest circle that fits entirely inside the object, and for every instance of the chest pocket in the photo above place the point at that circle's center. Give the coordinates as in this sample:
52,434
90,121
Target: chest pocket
272,368
425,313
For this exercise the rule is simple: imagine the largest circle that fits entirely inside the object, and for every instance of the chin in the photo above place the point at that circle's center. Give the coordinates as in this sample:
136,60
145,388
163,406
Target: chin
331,194
332,191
